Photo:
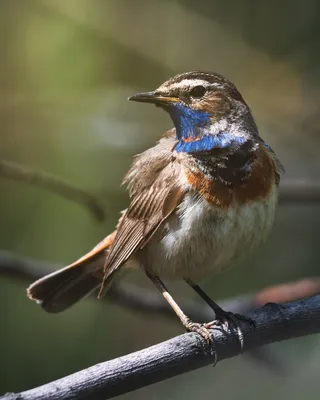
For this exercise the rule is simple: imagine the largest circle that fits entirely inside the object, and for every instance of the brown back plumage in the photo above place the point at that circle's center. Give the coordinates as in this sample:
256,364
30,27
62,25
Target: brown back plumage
152,182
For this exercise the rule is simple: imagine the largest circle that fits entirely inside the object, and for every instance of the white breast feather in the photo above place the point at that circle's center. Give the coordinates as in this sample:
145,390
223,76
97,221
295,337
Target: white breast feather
202,240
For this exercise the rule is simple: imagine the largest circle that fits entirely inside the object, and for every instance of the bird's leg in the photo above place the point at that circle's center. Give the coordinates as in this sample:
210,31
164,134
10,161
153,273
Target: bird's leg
202,329
223,317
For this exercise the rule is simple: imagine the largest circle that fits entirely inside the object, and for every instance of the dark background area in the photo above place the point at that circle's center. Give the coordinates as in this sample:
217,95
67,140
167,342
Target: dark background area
67,67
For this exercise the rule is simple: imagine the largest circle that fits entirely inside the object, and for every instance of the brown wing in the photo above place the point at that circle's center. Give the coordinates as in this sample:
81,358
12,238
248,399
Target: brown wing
152,183
140,222
148,209
142,218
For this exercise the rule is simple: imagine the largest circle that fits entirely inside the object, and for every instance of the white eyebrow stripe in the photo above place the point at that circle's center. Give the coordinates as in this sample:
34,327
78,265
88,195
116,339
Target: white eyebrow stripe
188,83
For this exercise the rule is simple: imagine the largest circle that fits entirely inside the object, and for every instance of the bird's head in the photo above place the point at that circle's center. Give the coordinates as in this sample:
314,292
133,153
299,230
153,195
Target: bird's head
204,107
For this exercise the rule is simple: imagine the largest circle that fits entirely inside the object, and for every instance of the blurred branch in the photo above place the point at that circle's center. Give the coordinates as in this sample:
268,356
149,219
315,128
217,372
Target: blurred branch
129,296
145,300
299,191
291,191
181,354
24,173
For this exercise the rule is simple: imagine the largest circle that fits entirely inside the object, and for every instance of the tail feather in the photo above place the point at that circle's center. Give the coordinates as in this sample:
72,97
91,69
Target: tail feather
63,288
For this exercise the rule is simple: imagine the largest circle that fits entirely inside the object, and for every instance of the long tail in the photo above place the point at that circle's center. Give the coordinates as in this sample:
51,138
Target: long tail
61,289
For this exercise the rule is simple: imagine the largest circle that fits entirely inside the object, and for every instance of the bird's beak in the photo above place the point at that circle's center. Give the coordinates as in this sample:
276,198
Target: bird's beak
153,97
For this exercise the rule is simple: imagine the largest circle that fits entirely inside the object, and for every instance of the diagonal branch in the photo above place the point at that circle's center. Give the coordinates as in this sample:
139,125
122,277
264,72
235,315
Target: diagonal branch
179,355
24,173
147,301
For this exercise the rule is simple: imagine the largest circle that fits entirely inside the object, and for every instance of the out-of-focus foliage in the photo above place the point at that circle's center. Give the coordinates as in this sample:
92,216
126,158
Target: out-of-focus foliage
66,70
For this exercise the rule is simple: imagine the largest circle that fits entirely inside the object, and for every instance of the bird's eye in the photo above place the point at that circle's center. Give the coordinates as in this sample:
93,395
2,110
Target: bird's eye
198,91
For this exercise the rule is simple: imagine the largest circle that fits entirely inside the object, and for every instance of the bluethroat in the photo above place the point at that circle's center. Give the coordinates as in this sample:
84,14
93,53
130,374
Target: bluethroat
202,198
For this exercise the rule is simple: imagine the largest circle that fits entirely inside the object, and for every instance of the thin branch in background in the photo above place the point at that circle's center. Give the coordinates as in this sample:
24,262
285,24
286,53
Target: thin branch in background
24,173
299,191
126,295
148,301
181,354
289,291
292,191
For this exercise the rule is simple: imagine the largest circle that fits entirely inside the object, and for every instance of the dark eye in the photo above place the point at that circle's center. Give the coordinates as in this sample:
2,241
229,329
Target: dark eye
197,92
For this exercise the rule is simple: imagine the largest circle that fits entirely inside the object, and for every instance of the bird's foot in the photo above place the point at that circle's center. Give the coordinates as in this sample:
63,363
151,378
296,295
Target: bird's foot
225,318
202,329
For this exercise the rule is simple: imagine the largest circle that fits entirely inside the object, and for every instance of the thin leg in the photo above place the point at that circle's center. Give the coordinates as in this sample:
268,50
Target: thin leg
223,317
217,309
191,326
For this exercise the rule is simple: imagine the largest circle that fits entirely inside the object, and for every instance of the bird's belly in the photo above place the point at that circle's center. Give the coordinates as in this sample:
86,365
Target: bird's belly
200,240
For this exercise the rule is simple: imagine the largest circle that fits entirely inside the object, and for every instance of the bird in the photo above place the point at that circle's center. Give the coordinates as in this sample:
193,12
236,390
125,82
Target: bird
201,199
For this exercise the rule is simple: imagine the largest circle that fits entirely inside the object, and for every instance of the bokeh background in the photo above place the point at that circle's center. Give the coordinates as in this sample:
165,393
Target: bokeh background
67,67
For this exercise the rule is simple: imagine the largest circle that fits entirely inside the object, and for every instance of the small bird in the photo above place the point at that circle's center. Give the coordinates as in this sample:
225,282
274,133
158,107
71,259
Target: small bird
201,199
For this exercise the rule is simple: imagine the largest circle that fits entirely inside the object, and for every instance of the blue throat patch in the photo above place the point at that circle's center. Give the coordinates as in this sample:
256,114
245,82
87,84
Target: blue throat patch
209,142
188,121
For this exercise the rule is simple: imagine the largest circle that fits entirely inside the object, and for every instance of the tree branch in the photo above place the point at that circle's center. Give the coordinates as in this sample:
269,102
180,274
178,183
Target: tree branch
148,301
126,295
181,354
24,173
145,300
299,191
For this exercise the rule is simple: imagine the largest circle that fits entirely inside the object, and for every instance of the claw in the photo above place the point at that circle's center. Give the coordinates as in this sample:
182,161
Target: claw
224,319
202,329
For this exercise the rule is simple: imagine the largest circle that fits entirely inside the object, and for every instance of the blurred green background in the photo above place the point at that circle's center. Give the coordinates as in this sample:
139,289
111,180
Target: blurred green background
67,67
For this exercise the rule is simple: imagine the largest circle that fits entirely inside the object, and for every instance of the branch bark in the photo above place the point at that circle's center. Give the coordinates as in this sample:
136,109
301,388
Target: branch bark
148,301
181,354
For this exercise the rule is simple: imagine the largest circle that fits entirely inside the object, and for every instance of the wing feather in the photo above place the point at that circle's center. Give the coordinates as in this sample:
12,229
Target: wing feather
148,210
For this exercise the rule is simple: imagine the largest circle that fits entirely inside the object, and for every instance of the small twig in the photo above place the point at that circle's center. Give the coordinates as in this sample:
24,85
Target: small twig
179,355
24,173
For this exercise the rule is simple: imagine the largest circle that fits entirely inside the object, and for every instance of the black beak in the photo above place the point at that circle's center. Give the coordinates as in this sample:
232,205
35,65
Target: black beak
152,97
